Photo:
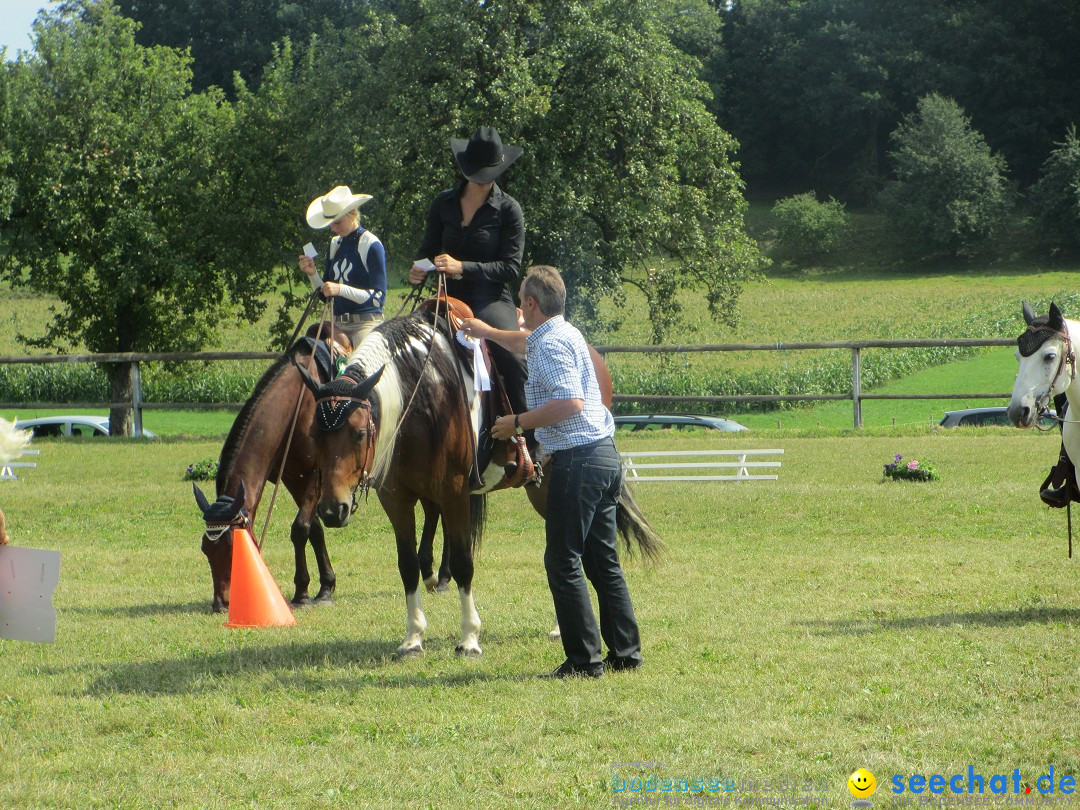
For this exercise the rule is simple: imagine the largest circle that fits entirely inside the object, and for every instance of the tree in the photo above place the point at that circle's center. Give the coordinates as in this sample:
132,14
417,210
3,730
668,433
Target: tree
234,37
123,209
7,183
626,178
949,190
1057,194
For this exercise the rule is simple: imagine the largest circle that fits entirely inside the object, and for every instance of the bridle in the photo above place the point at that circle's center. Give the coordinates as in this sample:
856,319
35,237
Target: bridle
215,531
1029,342
332,412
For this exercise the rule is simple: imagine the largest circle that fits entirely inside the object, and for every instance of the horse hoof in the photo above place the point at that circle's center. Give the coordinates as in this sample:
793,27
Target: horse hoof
431,583
555,635
468,652
404,652
443,586
323,601
301,602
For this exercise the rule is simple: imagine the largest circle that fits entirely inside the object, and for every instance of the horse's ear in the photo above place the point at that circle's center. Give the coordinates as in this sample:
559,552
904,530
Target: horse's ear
1056,320
363,390
200,499
307,378
1029,316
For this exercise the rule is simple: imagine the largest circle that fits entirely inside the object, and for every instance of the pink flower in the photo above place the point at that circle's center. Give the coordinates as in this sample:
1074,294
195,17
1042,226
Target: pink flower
913,465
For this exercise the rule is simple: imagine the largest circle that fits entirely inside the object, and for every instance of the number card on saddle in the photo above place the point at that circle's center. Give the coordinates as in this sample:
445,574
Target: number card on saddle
512,455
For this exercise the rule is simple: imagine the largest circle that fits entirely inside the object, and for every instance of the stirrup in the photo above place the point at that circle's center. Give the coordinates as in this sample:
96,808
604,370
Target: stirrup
1057,498
1059,487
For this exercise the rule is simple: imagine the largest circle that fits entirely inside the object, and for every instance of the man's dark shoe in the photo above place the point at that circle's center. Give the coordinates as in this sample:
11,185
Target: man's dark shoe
568,669
617,663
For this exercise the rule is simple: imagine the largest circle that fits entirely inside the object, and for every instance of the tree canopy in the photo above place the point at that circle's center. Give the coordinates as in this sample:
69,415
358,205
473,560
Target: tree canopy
122,192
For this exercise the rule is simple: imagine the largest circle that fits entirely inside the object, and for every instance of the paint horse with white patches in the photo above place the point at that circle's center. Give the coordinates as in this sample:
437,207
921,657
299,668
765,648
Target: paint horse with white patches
411,393
1047,370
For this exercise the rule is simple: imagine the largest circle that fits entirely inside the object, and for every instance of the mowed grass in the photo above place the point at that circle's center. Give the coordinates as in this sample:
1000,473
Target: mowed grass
808,626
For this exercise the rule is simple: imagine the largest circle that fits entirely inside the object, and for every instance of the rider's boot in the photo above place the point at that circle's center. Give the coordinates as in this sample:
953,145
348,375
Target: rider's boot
1060,485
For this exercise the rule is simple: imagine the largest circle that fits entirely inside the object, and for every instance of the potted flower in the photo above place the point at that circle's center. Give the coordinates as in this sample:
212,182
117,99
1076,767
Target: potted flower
913,470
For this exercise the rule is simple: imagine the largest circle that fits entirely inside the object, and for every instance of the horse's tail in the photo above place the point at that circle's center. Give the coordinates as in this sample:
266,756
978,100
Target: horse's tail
633,525
477,519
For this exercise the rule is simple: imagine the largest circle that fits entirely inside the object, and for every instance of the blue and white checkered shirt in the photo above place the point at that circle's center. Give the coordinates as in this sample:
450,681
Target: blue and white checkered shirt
560,367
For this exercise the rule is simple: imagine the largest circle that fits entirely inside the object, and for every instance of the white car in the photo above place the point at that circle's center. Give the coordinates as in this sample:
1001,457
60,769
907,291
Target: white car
46,426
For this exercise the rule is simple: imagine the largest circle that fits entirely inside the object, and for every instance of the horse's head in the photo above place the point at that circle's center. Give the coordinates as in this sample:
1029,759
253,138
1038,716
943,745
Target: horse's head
1047,365
344,434
221,517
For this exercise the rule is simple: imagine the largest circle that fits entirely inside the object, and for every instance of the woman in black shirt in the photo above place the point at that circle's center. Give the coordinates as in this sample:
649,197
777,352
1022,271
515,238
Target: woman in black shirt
475,235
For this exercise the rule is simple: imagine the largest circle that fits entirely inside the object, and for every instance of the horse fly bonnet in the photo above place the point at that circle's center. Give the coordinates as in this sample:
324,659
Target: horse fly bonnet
337,399
224,513
1040,329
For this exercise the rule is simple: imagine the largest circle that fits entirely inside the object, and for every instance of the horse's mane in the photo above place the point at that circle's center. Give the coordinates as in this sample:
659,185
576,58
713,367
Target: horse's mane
402,343
231,447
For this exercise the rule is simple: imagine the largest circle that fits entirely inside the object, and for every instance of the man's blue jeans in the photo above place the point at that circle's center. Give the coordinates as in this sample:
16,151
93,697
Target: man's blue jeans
583,495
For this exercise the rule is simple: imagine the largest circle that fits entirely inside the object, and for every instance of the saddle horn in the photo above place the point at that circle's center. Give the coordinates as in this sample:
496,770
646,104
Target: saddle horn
1029,315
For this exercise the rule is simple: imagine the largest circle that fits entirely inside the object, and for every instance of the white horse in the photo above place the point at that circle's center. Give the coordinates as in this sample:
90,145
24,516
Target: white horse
1047,357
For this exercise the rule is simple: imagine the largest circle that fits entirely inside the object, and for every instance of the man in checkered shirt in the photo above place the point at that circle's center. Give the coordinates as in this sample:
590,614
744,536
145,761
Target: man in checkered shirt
584,478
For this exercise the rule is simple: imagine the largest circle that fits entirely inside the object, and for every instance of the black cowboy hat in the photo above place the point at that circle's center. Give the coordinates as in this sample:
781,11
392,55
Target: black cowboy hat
484,156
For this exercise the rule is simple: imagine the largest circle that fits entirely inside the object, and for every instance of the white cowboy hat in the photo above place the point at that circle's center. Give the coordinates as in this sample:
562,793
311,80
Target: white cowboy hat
340,201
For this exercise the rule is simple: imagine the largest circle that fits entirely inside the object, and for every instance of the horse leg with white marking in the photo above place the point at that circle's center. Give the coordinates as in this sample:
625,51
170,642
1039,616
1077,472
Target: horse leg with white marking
403,519
462,519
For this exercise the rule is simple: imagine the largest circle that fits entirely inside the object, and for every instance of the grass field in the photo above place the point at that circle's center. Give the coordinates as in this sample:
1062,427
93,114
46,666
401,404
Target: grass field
804,627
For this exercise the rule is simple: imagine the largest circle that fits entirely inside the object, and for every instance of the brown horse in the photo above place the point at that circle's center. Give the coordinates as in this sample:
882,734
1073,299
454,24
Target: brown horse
252,455
418,408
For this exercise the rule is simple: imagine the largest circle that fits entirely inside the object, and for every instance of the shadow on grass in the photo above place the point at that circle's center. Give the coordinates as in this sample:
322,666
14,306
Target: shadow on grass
139,611
987,618
363,664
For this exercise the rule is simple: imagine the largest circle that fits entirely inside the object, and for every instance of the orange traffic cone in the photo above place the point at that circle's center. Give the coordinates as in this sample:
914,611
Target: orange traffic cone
254,598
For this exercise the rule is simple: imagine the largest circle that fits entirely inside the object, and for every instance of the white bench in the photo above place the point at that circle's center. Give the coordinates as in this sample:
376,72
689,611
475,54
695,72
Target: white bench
7,472
740,465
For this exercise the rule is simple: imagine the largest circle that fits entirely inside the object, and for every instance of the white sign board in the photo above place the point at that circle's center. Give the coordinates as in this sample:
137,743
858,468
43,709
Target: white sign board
28,577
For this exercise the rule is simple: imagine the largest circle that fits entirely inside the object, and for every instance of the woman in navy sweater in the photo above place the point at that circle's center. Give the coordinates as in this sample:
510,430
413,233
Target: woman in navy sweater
355,271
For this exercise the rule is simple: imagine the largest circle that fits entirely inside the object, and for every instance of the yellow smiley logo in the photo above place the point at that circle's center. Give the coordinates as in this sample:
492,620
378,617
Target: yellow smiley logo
861,783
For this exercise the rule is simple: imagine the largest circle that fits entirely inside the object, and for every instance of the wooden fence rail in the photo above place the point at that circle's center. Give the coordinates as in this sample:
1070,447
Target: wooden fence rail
856,396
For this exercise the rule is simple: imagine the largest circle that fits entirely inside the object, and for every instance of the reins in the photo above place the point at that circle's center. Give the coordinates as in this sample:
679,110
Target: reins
327,308
415,295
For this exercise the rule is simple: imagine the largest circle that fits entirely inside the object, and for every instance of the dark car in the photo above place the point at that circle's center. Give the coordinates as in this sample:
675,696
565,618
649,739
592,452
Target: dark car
997,415
678,421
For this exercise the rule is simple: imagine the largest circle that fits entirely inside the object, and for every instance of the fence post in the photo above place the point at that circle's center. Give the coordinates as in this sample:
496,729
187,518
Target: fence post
136,396
856,387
